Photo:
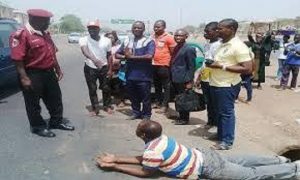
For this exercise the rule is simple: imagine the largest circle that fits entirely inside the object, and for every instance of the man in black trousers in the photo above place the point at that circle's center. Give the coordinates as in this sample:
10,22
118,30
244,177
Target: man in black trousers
182,69
34,53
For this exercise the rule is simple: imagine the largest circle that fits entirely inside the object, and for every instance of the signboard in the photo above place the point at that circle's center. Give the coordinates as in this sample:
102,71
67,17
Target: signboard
122,21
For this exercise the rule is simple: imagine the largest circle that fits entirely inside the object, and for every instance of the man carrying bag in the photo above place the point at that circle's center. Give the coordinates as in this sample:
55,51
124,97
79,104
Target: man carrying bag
182,72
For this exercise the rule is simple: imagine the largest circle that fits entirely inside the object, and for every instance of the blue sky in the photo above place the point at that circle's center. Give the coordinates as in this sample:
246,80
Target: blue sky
176,12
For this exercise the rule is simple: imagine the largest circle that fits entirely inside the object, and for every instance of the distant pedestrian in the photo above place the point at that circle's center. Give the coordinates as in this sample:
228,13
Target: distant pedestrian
34,53
260,47
282,56
291,64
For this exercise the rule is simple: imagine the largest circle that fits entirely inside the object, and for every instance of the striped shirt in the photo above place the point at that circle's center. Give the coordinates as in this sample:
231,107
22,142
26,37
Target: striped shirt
174,159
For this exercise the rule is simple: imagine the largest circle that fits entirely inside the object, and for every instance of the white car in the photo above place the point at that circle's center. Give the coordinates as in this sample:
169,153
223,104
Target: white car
74,37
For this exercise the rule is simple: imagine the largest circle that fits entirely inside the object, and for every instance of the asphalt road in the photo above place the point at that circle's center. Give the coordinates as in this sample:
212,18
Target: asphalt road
69,155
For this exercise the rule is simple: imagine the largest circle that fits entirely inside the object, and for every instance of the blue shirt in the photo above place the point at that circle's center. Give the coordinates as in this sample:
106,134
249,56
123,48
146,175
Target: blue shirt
293,59
138,69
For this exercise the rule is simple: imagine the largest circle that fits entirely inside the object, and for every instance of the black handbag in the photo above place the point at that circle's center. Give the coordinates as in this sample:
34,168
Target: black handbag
190,101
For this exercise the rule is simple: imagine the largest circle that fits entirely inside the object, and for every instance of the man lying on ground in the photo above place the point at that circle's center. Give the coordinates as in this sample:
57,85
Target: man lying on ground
175,160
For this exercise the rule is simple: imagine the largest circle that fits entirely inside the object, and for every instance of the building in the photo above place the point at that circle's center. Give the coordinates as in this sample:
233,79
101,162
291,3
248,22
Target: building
20,16
5,11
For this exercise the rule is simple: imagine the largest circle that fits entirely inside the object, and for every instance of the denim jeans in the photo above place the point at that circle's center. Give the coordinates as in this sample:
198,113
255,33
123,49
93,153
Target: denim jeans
280,68
247,83
245,167
287,68
223,102
208,100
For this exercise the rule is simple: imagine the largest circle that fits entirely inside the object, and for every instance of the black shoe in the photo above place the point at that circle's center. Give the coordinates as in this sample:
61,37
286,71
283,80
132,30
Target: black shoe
43,132
62,126
181,122
133,117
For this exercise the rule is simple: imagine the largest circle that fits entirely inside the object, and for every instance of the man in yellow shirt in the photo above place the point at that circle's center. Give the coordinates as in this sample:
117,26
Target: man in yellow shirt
232,58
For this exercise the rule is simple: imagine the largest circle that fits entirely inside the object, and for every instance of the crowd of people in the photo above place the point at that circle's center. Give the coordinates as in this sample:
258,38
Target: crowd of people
126,70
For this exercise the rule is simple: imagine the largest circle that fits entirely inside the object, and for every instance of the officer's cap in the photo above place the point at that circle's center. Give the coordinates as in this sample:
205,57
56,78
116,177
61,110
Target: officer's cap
39,13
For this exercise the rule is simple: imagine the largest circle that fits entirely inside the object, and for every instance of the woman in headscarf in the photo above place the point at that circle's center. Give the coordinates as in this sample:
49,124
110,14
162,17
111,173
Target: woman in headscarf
259,48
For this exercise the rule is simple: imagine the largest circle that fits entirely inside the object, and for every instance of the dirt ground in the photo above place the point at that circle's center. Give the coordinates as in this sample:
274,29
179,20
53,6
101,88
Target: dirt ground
265,126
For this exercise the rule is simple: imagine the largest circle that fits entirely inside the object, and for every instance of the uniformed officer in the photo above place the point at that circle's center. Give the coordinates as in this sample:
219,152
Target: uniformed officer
34,54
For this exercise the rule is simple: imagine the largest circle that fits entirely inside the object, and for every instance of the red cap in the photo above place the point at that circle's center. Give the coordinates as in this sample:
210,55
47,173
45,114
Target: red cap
39,13
95,23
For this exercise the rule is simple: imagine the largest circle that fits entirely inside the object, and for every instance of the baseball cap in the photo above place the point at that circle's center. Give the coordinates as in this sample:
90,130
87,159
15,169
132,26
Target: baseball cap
95,23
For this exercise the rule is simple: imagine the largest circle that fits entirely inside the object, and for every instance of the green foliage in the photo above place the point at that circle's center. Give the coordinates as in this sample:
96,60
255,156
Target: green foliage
70,23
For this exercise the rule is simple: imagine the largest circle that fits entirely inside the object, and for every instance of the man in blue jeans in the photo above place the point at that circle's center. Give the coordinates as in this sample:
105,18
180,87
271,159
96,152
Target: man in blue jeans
166,155
232,58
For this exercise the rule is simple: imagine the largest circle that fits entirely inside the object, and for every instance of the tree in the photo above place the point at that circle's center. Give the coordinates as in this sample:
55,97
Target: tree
70,23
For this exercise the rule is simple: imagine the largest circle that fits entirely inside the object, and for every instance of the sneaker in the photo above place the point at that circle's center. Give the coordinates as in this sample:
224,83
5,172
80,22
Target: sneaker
181,122
213,129
222,146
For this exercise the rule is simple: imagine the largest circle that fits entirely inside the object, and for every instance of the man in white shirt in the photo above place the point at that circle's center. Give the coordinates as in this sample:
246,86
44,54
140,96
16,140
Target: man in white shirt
282,56
98,66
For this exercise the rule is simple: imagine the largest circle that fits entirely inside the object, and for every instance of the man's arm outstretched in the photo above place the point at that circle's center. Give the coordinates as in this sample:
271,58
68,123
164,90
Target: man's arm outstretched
124,164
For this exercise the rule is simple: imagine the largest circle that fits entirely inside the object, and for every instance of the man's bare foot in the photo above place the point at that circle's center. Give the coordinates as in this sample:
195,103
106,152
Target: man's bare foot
109,110
93,113
121,104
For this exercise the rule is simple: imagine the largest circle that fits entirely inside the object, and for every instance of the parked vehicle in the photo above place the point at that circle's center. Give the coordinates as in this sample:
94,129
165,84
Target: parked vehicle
74,37
8,73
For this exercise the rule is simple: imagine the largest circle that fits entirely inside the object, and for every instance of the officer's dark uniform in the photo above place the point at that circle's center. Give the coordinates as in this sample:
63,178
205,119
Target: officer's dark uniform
38,53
